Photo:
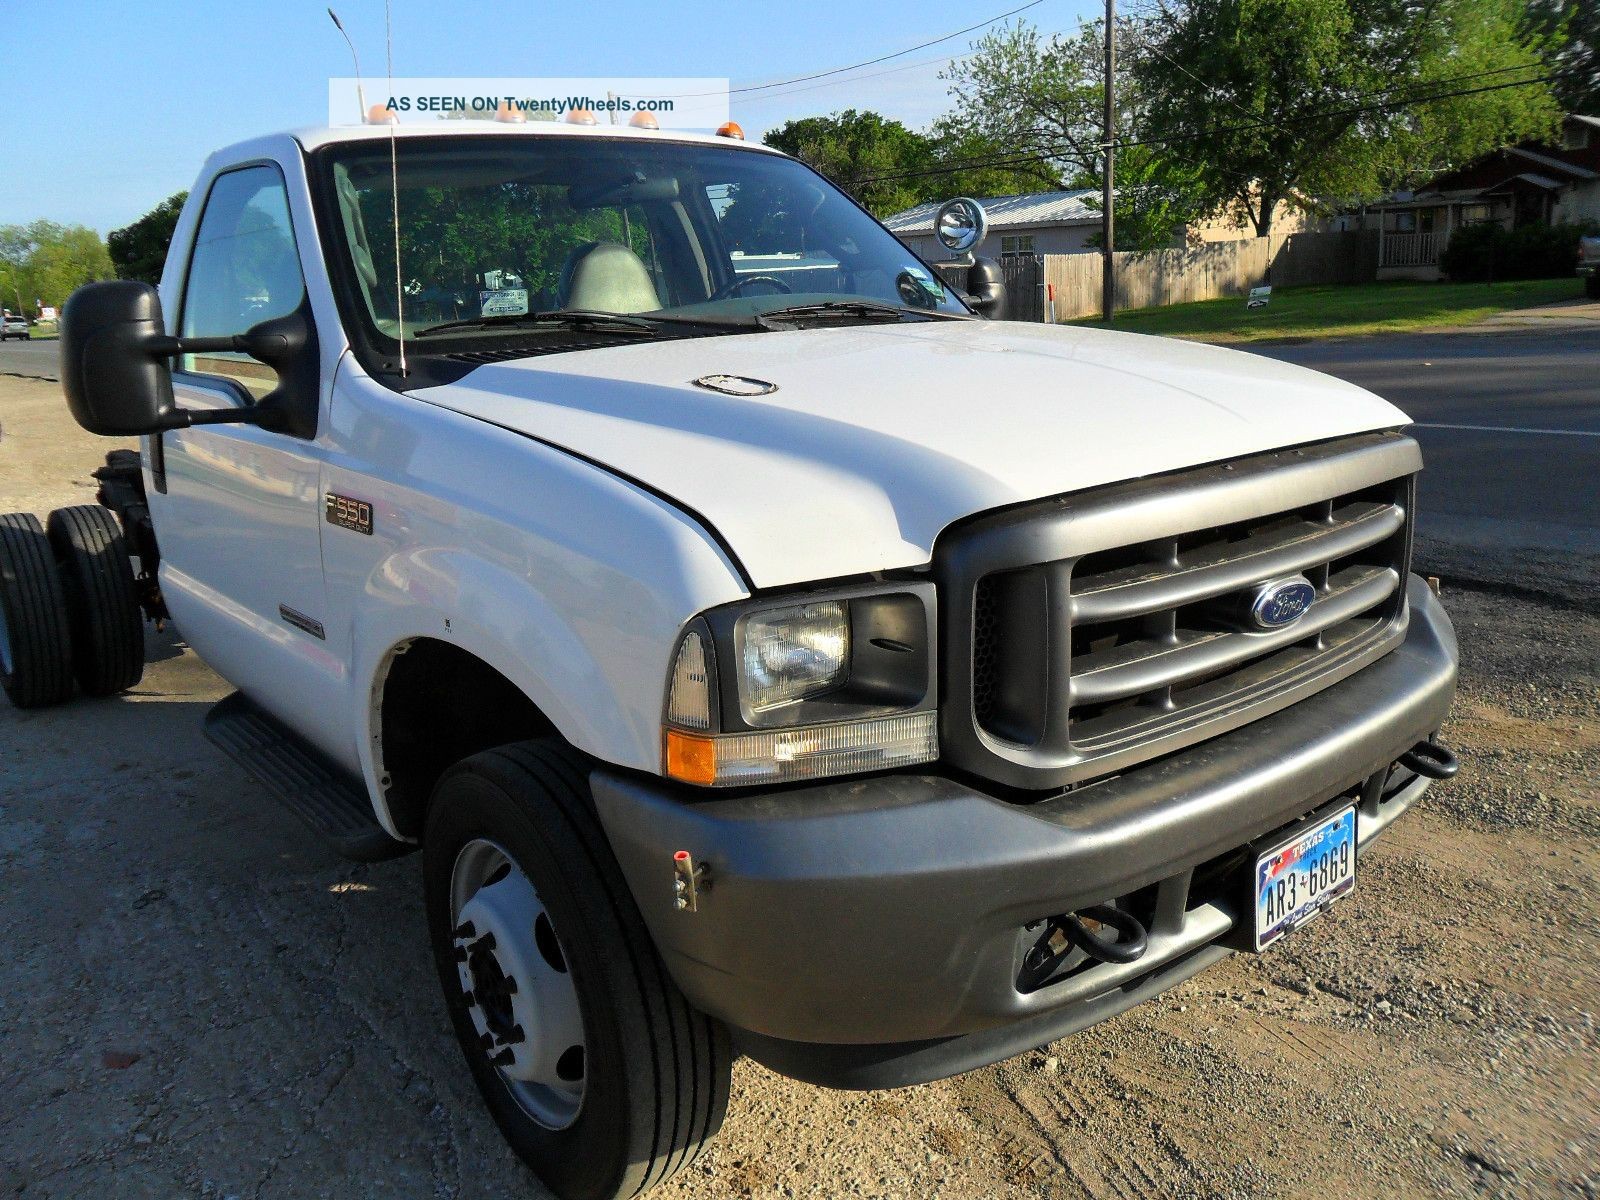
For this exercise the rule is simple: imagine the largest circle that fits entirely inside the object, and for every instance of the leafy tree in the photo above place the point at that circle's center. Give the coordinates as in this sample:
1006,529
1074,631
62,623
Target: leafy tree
1271,100
1573,27
854,148
46,262
1039,100
139,250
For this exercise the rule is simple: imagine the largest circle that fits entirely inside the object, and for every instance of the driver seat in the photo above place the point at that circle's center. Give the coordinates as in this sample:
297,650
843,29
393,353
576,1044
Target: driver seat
606,277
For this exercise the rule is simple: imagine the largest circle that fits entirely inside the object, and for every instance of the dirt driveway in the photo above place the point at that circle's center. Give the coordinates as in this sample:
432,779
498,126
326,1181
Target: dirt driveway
197,999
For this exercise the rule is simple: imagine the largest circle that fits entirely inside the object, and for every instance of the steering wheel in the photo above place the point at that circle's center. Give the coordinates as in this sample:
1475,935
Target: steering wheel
738,285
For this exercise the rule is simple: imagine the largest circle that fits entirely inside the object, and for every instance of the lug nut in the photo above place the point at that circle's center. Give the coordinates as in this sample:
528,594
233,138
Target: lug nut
510,985
504,1059
681,902
514,1036
486,942
469,999
486,1040
466,931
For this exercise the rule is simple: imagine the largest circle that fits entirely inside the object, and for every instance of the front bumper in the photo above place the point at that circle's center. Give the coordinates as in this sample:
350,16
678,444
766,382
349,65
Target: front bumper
870,932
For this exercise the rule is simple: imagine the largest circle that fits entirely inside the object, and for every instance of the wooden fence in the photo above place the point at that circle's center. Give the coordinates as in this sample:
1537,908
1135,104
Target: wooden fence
1206,272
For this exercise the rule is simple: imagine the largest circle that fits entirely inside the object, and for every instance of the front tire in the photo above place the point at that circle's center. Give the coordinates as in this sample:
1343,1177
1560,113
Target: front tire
600,1075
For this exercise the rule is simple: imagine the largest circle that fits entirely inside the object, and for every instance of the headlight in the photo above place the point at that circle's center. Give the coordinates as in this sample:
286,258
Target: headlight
838,683
791,653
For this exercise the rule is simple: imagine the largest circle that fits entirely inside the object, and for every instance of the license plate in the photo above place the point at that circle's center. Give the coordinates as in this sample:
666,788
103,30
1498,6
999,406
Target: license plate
1297,879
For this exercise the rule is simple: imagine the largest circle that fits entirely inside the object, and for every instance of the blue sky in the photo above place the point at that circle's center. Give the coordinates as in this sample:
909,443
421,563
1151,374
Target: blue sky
113,106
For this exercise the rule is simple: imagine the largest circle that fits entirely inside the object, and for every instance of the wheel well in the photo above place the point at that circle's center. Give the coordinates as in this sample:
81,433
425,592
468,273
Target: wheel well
439,704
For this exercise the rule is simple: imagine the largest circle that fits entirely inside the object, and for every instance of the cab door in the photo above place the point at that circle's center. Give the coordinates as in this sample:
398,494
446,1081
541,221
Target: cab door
239,519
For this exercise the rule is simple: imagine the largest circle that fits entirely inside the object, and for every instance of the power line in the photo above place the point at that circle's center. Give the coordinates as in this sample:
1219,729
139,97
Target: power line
1018,160
871,62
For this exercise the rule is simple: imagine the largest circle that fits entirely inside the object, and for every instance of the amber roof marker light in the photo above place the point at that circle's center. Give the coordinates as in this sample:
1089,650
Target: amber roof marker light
731,129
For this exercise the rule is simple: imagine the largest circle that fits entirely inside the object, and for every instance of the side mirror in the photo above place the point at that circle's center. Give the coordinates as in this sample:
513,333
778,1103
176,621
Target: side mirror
114,368
960,226
986,287
117,382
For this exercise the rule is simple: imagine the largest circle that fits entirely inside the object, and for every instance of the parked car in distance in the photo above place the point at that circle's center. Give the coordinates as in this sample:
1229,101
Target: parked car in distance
1589,265
14,327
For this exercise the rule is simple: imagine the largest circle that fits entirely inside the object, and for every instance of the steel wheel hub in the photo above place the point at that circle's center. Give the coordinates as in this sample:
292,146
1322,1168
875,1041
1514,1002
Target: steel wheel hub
515,981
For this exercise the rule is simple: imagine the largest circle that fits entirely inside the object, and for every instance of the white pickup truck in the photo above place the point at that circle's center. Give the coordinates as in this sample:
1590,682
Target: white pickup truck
830,676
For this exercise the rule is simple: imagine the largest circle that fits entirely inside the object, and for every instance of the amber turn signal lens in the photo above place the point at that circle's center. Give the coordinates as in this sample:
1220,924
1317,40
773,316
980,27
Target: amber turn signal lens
691,758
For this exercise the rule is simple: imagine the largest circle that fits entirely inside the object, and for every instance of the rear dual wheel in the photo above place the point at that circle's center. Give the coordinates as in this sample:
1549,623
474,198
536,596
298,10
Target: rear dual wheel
68,608
97,582
35,639
600,1075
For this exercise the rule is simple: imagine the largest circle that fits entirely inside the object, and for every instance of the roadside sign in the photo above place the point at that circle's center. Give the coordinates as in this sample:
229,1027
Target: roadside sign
1259,297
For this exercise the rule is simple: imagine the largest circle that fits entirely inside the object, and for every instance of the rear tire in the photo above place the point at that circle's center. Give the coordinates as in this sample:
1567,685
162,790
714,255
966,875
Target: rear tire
653,1084
35,638
107,626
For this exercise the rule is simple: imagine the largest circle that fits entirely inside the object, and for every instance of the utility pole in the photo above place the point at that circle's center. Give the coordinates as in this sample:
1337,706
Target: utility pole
1108,274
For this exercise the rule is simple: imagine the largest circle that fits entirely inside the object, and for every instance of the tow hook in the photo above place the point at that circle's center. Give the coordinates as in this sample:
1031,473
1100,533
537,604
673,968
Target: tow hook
1430,759
1131,943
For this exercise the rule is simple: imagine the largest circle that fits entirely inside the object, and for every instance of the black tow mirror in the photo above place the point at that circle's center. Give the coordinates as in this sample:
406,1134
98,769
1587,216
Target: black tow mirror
986,287
116,379
115,369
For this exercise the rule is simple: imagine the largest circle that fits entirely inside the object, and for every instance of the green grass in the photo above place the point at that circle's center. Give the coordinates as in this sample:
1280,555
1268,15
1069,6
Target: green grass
1344,311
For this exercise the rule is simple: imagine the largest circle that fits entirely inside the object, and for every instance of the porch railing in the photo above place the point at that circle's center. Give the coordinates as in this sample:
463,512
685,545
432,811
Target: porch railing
1412,249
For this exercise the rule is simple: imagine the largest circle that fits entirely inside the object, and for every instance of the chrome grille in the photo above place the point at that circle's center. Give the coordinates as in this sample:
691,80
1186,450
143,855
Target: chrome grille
1090,633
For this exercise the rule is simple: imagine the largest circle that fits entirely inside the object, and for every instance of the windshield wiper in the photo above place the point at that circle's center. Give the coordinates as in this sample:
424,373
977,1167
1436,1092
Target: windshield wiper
556,318
866,310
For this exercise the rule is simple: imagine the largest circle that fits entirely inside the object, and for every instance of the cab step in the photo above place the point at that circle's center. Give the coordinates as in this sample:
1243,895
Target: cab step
321,794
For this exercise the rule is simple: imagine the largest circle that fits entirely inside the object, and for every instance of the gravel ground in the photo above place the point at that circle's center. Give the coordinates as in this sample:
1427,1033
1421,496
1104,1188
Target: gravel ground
199,1000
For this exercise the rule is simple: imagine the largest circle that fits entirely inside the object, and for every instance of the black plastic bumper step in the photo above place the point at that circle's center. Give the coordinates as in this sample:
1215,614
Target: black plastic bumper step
312,788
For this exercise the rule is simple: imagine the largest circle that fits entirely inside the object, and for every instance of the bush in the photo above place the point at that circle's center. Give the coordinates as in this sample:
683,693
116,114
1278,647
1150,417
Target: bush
1486,251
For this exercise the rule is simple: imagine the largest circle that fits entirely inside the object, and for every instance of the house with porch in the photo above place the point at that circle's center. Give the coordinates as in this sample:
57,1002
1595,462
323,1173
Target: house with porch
1529,183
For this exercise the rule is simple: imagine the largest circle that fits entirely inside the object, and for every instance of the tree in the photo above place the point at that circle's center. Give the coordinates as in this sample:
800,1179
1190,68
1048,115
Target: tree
1275,101
1036,103
1573,29
46,262
854,148
139,250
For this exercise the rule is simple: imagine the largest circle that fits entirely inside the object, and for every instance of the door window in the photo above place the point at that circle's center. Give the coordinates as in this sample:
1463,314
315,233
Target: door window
244,270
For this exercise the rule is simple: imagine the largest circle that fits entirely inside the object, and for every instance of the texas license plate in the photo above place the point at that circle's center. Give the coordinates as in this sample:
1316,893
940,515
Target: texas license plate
1297,879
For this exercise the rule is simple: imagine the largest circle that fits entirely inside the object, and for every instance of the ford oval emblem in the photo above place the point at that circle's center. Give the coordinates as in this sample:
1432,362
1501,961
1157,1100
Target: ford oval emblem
1281,602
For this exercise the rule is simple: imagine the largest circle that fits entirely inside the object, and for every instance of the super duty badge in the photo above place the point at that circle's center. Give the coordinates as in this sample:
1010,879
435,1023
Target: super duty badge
349,513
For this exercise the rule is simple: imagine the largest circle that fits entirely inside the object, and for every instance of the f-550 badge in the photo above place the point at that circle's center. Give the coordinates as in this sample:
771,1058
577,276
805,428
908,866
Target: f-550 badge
349,513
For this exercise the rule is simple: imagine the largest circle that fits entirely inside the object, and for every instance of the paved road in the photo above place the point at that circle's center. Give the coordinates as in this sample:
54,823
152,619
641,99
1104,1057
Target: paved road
37,358
1509,421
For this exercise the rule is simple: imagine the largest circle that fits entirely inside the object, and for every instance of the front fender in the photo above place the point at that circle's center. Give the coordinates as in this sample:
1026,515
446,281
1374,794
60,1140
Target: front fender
571,582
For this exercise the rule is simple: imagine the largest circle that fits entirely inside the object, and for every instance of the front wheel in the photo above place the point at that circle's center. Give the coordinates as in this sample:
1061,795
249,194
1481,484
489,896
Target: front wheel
600,1075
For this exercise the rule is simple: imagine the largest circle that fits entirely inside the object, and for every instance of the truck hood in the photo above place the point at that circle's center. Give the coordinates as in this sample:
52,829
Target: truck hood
878,437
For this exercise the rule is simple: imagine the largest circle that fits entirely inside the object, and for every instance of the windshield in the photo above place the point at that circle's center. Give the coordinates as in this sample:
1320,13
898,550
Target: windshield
497,228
